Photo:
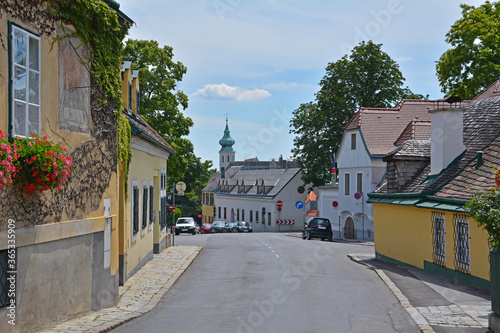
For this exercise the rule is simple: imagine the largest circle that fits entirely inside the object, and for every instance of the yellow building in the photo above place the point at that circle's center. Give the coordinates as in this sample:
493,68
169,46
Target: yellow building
143,207
419,216
66,240
208,199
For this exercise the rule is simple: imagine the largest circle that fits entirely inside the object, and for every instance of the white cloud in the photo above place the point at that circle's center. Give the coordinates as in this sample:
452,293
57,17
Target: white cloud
223,91
401,59
281,86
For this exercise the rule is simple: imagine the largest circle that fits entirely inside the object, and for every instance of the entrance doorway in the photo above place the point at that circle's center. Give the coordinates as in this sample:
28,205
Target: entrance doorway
349,232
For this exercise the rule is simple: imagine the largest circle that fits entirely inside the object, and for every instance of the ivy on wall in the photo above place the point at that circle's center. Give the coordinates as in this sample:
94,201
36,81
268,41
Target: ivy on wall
100,31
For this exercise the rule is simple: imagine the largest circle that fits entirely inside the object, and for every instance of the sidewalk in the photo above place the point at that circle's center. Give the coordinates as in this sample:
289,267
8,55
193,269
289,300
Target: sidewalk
140,293
436,304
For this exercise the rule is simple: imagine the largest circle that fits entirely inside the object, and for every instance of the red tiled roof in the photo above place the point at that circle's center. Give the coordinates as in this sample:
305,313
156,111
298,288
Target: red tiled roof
491,91
311,197
416,130
313,213
382,127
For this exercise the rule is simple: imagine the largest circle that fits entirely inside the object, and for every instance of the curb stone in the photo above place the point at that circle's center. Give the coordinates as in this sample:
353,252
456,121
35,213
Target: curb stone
422,323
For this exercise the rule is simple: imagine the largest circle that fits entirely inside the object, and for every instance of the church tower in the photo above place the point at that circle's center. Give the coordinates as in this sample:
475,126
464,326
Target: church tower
226,153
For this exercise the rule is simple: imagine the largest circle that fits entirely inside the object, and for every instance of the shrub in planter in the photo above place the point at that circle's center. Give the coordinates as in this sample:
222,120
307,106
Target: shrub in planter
41,165
8,156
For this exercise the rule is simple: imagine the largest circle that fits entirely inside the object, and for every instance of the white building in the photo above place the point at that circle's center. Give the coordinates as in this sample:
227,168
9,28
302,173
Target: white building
369,135
267,194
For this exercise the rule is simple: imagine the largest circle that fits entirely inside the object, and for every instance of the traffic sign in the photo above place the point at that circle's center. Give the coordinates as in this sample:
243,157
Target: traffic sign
299,204
199,216
180,187
335,204
279,209
497,176
171,207
357,195
279,203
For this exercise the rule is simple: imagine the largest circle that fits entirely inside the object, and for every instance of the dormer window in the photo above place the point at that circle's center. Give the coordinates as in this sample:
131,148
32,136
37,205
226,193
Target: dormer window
353,141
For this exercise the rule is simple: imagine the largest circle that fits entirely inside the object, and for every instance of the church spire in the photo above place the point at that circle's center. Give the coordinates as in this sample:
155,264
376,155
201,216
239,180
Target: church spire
226,153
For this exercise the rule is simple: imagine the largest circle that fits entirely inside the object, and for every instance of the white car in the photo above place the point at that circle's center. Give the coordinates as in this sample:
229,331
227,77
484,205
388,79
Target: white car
186,225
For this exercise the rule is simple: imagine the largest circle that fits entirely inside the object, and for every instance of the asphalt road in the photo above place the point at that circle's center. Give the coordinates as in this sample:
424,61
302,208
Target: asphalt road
269,282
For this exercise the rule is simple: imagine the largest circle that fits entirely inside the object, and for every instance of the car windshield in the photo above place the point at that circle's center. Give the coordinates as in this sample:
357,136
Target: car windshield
243,224
183,221
320,222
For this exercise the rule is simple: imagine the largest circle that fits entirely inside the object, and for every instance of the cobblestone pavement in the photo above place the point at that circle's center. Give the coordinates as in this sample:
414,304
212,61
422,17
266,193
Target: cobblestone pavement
452,316
140,293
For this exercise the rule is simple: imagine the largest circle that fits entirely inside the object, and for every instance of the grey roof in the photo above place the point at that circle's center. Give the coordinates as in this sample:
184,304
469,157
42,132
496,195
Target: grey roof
411,149
247,182
480,123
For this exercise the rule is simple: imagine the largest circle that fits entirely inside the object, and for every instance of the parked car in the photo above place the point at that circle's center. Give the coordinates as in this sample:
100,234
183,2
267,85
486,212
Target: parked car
229,227
205,228
186,225
217,226
242,227
318,227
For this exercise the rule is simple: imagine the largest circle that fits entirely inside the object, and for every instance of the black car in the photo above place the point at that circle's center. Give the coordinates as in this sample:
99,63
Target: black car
318,227
242,227
217,226
229,227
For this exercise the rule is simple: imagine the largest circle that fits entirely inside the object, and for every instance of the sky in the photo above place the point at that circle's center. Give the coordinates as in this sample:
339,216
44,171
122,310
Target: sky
256,61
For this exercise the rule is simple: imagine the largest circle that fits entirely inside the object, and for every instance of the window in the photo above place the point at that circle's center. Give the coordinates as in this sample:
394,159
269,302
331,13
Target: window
251,216
268,218
151,204
237,214
353,141
25,67
359,182
130,96
135,207
257,216
346,181
439,238
225,213
243,215
263,218
145,205
137,100
462,243
219,213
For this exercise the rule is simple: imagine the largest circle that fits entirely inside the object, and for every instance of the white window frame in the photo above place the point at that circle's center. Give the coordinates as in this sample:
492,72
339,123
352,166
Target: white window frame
29,71
144,204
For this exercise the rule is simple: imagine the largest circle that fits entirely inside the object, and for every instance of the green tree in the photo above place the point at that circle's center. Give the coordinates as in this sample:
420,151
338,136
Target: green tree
368,77
473,61
161,101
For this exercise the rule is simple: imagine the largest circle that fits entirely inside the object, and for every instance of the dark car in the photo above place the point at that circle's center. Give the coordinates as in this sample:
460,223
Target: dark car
229,227
242,227
318,227
217,226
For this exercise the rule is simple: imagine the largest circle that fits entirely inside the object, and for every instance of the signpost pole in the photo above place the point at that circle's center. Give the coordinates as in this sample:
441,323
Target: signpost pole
173,214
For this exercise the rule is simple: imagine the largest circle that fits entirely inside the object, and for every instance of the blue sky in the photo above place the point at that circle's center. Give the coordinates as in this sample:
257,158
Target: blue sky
257,60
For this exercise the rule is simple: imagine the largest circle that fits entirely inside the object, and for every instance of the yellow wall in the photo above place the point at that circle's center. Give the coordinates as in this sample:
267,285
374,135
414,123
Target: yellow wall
405,234
146,167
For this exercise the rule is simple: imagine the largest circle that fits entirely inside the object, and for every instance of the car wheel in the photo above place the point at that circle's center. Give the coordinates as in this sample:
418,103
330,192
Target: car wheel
177,234
194,232
303,235
330,238
309,236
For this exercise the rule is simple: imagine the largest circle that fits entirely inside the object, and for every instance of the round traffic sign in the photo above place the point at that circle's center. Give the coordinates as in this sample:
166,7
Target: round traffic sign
199,216
171,207
299,204
357,195
497,176
335,204
279,203
279,209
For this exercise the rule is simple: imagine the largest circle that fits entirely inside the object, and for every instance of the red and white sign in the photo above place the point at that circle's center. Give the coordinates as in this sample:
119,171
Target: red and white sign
199,216
171,207
285,222
279,203
335,204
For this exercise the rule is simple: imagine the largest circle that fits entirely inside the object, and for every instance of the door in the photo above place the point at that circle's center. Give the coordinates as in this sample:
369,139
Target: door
349,232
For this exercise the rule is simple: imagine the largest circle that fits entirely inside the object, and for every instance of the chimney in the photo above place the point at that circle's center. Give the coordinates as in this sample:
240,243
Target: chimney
447,128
